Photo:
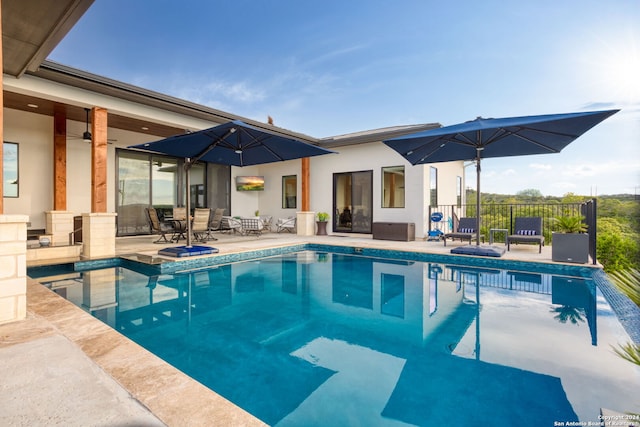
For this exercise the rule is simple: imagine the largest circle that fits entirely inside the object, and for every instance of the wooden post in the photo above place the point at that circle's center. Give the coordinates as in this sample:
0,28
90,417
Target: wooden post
98,160
1,120
59,158
305,184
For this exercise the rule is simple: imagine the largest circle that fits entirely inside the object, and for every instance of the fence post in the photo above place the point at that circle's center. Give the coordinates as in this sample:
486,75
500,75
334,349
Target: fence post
510,219
589,211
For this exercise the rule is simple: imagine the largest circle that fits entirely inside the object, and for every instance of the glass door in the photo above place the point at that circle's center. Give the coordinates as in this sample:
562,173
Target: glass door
146,180
353,201
133,194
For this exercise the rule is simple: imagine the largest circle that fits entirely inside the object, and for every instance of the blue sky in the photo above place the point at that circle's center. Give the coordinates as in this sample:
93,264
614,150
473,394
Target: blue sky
335,67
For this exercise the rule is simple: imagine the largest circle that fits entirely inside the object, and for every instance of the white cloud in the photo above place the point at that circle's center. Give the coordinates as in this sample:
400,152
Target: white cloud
593,169
540,166
239,92
336,53
565,186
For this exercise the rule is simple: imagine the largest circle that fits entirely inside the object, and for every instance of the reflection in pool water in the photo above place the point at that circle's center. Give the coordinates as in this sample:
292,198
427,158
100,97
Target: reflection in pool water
331,339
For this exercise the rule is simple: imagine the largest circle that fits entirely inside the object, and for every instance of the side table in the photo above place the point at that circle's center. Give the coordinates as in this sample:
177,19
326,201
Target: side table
498,230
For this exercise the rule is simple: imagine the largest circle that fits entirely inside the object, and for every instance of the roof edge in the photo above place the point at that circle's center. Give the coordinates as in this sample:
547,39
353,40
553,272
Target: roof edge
64,74
376,135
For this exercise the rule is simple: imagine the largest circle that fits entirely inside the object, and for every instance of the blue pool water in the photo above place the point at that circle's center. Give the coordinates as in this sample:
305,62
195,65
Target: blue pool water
321,338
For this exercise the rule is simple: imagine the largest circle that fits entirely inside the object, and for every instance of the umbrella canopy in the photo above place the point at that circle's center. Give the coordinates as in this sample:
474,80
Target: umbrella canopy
234,143
484,138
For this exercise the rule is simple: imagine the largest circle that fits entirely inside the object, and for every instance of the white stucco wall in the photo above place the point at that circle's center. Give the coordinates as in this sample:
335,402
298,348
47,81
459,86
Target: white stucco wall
375,156
33,133
269,201
363,157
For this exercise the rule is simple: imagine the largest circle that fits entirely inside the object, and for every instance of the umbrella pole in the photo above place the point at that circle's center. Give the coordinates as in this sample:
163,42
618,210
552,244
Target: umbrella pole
478,197
187,170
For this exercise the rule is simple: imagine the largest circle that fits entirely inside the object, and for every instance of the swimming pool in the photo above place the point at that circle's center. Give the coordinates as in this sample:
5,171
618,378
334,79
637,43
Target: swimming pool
323,338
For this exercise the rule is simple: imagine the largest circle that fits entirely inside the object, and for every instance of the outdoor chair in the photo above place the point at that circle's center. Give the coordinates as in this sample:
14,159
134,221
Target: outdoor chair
215,222
179,221
251,226
466,230
266,222
230,224
200,223
286,224
179,214
158,227
527,230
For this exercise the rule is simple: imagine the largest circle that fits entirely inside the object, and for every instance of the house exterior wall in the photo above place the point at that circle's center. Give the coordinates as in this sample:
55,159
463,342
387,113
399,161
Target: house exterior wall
375,156
269,201
34,133
372,156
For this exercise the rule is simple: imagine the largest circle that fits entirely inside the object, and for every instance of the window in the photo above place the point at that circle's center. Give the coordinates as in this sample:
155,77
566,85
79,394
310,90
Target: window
459,191
10,169
393,187
289,192
433,187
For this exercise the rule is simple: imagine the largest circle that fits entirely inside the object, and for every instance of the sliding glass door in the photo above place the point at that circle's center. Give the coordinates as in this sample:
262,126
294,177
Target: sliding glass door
353,201
134,193
146,180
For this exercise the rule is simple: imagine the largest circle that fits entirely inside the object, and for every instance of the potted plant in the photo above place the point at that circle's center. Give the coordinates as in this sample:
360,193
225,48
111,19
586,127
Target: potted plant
570,242
323,217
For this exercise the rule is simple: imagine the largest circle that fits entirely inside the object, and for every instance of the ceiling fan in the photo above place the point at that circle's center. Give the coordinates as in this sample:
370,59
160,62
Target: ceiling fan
86,135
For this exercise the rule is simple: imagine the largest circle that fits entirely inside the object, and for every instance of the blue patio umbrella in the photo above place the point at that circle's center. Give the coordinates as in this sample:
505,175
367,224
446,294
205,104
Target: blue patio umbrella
484,138
234,143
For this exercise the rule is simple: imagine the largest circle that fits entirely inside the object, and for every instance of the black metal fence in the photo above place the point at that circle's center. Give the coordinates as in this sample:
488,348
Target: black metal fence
502,216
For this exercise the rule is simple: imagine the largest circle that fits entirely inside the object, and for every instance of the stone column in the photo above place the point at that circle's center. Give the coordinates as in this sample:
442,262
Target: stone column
13,267
98,235
59,226
305,223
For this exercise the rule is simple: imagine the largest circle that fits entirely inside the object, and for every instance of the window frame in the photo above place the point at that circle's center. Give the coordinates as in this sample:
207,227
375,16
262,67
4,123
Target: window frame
401,203
433,186
286,195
